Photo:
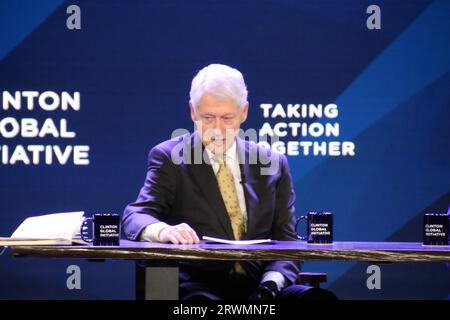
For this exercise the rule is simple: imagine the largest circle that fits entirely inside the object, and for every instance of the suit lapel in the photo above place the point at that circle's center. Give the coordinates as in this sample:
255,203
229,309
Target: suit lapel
205,178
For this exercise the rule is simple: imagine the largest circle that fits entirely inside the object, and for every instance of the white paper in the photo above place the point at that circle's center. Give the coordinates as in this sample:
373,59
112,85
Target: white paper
242,242
64,225
12,242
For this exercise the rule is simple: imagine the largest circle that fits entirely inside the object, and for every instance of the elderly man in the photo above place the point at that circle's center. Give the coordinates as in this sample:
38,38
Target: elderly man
223,195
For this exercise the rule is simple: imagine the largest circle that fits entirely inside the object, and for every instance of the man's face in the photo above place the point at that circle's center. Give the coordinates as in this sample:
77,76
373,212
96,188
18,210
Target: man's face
218,122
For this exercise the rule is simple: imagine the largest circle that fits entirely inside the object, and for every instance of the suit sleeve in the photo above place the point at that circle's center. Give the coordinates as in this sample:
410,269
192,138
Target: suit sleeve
283,227
155,198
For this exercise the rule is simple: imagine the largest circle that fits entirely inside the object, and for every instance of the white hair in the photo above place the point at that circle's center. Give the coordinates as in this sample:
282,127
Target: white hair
220,81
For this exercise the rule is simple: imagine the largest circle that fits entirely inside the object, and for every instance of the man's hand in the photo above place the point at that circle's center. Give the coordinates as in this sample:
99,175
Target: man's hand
180,233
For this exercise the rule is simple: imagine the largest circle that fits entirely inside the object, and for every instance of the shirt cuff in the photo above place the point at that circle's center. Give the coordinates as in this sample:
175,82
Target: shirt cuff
151,232
276,277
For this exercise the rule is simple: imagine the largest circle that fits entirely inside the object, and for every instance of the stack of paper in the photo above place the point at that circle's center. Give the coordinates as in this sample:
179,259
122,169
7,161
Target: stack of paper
239,242
50,229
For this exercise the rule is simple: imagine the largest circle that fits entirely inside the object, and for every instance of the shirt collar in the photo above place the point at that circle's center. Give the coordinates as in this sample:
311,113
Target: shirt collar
230,154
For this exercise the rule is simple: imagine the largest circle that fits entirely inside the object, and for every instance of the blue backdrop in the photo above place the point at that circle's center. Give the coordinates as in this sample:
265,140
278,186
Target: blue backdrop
133,61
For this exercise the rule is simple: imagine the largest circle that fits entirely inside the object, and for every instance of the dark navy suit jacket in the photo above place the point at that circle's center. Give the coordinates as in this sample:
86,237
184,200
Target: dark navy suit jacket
182,191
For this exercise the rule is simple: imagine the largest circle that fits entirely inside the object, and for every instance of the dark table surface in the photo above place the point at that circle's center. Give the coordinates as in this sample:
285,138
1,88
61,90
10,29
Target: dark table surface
278,250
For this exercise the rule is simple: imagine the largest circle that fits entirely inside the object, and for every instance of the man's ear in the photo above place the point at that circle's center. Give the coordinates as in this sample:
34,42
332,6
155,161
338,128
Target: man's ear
193,113
244,112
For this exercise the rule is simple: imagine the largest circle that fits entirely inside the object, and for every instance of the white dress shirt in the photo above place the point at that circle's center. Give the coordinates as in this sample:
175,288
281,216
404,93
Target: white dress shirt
231,160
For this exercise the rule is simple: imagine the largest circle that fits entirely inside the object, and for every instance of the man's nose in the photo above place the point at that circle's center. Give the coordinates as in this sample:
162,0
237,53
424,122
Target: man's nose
218,125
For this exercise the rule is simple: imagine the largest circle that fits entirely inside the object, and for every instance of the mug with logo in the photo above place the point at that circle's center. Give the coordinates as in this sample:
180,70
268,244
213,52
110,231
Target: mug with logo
435,229
319,227
105,229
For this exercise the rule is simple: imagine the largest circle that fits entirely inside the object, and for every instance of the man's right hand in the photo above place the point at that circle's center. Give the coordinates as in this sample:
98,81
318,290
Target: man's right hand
180,233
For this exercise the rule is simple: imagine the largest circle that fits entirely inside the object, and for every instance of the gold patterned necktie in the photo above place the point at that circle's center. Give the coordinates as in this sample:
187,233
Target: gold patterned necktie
230,198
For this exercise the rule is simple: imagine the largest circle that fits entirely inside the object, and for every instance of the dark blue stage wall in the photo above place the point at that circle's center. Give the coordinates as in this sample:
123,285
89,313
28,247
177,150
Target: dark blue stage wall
120,84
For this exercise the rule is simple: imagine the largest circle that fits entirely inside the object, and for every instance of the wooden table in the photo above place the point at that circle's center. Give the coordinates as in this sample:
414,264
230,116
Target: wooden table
161,282
279,250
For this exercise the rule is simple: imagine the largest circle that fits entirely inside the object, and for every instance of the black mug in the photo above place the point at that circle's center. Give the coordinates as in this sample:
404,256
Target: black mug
435,229
319,227
105,229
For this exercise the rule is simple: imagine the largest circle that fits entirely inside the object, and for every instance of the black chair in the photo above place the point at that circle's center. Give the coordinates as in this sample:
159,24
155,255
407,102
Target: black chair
312,281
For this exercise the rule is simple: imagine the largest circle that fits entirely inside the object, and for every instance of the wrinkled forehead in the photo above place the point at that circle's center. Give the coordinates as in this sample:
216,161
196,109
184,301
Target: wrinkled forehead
217,106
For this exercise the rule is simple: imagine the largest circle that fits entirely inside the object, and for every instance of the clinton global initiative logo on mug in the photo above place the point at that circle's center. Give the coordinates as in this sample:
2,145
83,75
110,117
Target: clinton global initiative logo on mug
319,227
435,229
105,229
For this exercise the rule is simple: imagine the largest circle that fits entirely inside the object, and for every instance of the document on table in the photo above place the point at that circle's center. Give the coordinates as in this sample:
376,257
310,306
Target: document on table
241,242
51,229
